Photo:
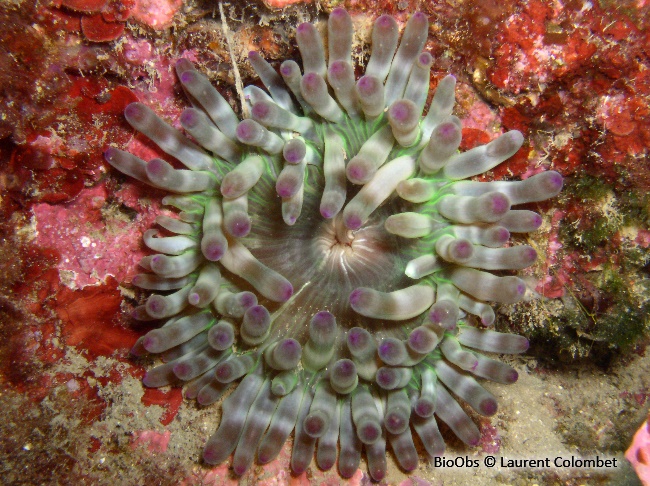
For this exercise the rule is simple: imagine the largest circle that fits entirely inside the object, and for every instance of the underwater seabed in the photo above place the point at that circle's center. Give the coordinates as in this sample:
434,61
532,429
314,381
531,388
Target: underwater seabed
73,402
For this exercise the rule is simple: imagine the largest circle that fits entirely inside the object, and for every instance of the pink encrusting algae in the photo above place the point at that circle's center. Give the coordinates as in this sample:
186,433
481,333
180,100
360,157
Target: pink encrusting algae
89,253
157,14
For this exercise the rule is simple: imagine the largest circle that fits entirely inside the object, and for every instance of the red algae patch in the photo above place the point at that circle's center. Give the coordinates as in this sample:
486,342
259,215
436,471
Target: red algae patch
98,305
170,401
98,20
86,6
97,29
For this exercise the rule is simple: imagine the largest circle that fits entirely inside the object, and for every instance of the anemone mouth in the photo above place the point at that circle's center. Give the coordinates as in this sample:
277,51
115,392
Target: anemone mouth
329,269
326,261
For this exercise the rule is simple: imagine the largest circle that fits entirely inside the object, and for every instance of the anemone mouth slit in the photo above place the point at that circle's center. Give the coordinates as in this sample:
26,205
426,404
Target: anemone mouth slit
331,267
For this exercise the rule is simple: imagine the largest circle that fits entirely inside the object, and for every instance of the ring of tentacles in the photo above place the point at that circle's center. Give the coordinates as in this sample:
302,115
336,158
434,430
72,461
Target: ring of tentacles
326,268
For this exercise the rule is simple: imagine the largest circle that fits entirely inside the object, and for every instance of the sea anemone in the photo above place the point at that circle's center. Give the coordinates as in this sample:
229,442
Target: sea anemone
327,268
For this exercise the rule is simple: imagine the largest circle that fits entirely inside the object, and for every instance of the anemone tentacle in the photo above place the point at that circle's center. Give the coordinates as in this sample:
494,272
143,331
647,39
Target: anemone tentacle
328,260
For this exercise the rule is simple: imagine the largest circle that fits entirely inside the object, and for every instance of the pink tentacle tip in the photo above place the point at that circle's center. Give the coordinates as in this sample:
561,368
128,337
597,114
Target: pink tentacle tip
189,118
424,408
109,153
383,378
356,338
257,312
248,300
263,457
310,80
213,251
210,455
326,212
500,203
220,339
353,222
400,111
356,297
503,235
150,342
385,21
182,369
156,166
286,69
556,180
463,249
188,77
135,111
487,321
155,305
304,28
521,289
346,367
286,292
260,110
366,84
378,474
222,373
285,188
386,348
293,156
371,432
425,58
244,130
240,227
240,469
337,68
447,132
356,173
